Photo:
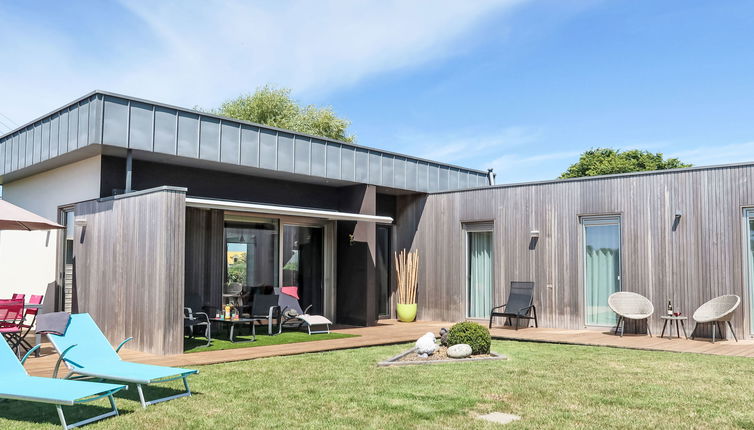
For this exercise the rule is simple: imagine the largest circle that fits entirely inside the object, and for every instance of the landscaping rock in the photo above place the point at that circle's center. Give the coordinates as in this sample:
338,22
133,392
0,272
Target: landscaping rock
444,336
426,344
459,351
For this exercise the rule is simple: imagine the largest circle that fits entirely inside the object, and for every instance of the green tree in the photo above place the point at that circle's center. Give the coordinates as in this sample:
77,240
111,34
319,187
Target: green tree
607,161
275,107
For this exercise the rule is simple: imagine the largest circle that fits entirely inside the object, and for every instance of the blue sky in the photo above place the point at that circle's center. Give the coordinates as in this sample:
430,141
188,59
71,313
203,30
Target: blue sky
520,86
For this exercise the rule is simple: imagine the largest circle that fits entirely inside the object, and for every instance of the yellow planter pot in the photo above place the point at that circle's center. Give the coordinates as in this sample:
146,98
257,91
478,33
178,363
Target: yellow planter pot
406,312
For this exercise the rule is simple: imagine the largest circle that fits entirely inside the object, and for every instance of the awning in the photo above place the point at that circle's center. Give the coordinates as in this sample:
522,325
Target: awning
283,210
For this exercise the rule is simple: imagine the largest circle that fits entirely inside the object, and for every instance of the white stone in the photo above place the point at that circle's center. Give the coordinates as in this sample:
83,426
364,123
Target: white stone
426,344
459,351
500,418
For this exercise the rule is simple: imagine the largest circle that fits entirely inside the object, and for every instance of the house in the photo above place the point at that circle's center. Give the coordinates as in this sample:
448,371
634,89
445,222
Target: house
159,202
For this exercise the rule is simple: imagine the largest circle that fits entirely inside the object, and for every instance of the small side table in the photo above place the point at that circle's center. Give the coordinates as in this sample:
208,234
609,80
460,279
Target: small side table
233,324
670,319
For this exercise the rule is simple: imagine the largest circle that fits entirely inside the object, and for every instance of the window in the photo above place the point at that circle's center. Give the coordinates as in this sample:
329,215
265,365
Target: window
251,253
602,267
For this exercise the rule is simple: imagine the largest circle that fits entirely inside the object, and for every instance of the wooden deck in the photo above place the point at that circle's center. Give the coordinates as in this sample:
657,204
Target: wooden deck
391,332
742,348
385,333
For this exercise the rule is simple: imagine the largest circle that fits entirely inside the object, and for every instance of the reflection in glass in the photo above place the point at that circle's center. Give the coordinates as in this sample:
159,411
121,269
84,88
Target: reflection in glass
303,265
251,253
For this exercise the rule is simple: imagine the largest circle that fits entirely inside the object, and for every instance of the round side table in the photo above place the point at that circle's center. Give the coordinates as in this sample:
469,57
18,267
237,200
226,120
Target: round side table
670,319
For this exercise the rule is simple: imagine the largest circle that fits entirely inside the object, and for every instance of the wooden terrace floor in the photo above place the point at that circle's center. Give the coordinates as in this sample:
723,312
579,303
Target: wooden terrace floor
391,332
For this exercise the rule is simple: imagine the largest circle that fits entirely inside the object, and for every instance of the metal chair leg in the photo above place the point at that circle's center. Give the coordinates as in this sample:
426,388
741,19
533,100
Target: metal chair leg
694,330
648,329
731,331
536,324
622,326
713,332
617,325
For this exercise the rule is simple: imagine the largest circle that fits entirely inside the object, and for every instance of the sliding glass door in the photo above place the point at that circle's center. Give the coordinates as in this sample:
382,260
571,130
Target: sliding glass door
251,253
479,271
749,220
303,264
602,267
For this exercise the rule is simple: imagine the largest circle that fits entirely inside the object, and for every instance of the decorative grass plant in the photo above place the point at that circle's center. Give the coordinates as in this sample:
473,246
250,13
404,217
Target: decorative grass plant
407,269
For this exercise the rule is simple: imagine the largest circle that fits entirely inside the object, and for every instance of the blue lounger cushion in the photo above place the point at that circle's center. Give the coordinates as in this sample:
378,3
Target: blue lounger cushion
135,373
55,391
16,384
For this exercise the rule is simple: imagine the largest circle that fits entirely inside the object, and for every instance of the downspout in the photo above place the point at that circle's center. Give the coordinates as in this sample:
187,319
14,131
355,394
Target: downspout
129,169
491,177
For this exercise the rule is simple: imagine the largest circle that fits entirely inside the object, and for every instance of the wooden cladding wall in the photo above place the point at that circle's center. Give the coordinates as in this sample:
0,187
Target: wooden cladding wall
205,257
129,268
701,259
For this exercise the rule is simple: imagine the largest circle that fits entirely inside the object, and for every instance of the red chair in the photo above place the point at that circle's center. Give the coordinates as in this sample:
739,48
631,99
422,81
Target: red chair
29,312
11,320
18,296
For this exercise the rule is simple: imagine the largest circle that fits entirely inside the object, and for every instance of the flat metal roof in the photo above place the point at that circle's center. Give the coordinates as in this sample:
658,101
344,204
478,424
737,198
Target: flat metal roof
183,135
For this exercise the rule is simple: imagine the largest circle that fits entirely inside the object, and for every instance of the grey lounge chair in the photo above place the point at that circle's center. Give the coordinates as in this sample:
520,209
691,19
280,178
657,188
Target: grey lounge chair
720,309
193,320
520,304
631,306
291,314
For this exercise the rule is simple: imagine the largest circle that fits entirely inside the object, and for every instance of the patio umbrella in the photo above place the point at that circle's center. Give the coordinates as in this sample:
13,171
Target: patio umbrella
13,217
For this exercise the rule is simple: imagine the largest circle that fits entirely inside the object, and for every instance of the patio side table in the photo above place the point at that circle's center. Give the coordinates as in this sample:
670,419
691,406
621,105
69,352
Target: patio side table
670,319
233,324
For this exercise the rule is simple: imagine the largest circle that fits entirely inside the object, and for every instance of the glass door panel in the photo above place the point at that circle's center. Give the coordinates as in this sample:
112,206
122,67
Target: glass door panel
749,216
602,268
251,254
479,273
303,264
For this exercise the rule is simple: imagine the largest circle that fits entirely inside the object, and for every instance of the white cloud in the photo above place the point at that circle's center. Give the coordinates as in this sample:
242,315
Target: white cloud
466,146
200,53
717,154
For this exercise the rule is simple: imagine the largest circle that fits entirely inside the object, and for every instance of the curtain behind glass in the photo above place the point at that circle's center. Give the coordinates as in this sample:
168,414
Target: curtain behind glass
480,273
602,271
750,215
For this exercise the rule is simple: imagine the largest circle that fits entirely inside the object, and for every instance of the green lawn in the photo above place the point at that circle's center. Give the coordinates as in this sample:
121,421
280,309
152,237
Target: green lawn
221,341
551,386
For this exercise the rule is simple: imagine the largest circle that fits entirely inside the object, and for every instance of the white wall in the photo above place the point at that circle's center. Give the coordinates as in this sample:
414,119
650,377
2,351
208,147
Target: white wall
28,258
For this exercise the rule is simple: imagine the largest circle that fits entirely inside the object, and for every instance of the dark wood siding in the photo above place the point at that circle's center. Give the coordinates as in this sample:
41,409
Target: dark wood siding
703,258
129,268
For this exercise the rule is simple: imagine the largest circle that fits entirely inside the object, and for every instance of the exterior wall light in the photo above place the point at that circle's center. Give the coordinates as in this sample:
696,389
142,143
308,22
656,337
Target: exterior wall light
534,239
677,220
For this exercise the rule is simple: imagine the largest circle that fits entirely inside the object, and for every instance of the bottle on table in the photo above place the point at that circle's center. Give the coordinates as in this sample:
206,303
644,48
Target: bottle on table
670,309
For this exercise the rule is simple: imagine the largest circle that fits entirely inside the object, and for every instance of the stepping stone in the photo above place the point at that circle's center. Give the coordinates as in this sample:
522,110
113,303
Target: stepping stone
499,417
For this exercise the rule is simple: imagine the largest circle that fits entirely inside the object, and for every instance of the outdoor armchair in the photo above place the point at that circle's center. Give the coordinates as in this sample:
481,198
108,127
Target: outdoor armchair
192,320
265,306
18,385
520,304
631,306
87,353
720,309
11,322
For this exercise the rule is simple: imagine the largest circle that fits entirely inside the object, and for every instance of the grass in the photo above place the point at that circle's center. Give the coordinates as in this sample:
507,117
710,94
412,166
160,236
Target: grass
222,342
550,386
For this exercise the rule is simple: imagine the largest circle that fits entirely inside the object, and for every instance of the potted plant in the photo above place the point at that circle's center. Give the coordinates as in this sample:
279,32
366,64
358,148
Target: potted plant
407,270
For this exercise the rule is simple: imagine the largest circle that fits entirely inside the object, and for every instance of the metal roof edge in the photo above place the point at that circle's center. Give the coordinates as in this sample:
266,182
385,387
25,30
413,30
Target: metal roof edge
602,177
253,124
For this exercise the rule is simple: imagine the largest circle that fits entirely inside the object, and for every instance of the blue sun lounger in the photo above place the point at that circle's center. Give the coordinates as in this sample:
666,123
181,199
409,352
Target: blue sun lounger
87,354
16,384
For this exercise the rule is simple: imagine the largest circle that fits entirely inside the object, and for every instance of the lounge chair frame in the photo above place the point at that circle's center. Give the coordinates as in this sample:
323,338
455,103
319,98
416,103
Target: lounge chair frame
521,309
59,407
77,374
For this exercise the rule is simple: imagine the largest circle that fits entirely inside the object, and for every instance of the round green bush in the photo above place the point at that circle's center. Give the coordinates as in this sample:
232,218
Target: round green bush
475,335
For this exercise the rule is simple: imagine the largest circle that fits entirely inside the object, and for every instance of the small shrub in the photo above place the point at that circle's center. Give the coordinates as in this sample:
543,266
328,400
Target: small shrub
475,335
